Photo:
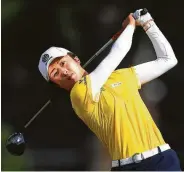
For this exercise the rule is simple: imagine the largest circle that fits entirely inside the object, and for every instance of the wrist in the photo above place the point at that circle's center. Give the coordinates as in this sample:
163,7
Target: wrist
132,24
147,25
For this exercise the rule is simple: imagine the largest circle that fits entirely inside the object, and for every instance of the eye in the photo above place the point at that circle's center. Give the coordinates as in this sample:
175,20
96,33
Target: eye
62,63
56,74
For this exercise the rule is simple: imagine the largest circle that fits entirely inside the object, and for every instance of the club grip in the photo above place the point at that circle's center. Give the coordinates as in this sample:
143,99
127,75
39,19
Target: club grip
143,12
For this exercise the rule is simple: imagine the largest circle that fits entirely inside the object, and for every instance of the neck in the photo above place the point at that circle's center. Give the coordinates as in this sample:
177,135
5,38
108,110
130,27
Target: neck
84,73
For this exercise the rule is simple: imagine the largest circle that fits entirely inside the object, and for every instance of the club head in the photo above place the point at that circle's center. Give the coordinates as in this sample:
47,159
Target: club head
15,144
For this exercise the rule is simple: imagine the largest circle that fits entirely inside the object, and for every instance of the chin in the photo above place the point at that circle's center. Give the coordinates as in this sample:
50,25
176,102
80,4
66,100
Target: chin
75,77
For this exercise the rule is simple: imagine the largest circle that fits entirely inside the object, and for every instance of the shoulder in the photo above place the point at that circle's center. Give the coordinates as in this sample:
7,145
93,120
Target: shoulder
80,95
81,90
80,85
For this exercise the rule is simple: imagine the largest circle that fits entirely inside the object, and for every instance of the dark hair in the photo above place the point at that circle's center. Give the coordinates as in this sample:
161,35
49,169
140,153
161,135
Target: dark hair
71,54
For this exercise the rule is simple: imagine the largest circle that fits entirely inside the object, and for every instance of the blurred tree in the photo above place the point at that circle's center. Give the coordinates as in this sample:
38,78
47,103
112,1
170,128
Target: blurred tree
10,9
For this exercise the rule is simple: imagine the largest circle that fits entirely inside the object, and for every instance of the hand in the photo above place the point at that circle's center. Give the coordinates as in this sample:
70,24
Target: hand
129,20
142,19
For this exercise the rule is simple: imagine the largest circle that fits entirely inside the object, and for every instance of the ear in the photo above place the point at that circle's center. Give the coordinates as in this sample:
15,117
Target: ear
77,59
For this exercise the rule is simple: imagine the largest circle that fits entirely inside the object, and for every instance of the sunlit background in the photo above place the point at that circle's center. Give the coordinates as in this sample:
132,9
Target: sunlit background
57,139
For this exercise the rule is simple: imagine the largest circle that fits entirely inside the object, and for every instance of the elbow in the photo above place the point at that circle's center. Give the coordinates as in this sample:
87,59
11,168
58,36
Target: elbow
173,62
176,62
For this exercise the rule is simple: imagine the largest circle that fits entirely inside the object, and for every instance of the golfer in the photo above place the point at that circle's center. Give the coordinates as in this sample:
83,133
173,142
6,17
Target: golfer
108,100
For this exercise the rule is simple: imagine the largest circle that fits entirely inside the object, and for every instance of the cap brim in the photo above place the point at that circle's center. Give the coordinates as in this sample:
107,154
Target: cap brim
48,63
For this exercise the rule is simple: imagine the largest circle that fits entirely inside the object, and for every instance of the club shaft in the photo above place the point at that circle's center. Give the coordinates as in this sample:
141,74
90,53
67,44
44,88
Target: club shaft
32,119
98,52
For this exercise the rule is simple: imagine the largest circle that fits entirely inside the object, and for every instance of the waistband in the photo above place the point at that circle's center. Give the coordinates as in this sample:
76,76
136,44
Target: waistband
138,157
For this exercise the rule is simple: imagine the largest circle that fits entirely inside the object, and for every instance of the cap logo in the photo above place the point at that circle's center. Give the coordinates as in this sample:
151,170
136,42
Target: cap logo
45,58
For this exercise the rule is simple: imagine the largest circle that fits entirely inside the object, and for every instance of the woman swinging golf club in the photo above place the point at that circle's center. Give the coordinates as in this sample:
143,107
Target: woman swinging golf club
108,101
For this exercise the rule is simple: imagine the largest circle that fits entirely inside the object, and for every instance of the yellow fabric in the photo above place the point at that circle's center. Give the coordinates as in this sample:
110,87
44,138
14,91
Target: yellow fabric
118,116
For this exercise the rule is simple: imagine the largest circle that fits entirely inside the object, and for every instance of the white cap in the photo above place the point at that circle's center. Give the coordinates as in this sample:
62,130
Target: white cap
47,57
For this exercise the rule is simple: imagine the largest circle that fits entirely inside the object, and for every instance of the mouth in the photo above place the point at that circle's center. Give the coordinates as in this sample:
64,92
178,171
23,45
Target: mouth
71,77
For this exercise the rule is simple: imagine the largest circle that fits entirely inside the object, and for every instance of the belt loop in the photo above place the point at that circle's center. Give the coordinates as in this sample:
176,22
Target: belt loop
119,163
159,150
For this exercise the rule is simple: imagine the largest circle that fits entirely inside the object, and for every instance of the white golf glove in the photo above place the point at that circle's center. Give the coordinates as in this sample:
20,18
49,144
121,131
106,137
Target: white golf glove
146,21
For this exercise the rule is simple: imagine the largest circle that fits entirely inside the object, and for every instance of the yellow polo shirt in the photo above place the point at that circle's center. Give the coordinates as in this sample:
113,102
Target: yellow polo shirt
118,116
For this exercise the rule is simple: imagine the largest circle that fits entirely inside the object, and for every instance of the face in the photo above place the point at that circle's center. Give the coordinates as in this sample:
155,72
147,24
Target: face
65,71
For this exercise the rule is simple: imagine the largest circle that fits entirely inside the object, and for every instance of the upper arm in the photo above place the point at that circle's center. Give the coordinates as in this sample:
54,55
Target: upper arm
98,78
118,51
102,72
153,69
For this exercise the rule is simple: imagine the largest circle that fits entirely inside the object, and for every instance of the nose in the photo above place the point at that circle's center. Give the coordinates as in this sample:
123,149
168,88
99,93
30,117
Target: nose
65,72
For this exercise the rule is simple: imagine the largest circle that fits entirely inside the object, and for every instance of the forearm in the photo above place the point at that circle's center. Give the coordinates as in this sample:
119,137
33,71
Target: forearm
112,60
161,45
165,56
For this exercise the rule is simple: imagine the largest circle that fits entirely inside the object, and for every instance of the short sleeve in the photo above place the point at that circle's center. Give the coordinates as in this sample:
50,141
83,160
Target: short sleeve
129,76
135,77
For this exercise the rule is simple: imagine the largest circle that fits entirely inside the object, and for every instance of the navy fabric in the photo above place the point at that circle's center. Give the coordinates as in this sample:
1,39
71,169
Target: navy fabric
164,161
